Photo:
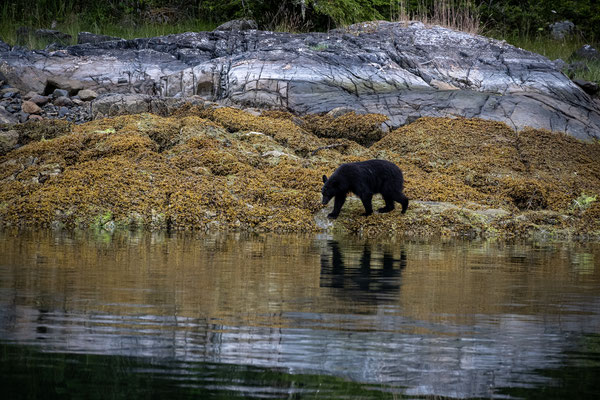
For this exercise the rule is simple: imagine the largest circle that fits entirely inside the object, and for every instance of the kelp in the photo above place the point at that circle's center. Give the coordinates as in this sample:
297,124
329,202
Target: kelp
220,168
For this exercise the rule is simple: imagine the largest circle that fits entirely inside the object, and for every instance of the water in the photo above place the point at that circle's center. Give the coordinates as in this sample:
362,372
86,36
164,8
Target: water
141,315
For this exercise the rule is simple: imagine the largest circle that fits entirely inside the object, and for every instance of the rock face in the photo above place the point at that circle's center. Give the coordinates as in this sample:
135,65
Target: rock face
402,70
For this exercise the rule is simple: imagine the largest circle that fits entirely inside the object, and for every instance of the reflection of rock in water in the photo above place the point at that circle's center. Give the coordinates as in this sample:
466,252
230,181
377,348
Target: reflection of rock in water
374,275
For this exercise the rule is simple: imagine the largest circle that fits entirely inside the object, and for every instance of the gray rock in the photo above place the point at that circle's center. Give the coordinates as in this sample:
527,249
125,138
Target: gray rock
72,86
87,94
56,93
23,116
88,37
29,95
559,30
559,64
402,70
7,117
587,52
63,101
39,99
8,141
237,25
62,111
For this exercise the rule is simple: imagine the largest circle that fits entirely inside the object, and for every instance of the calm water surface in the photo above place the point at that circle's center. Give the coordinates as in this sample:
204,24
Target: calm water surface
141,315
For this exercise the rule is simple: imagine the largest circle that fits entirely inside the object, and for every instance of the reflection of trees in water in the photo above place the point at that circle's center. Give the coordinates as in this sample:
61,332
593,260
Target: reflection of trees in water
374,274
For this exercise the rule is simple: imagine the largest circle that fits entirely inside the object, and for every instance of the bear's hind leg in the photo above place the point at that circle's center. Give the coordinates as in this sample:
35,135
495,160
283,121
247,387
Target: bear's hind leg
389,205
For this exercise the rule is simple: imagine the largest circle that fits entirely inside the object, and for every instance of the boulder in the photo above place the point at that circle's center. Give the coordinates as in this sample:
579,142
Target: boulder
587,52
72,86
562,29
87,94
237,25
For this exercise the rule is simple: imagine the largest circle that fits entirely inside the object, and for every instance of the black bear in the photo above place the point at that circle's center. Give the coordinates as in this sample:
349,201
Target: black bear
364,179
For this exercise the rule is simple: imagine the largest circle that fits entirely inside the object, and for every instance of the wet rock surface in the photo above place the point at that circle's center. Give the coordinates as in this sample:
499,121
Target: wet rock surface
401,70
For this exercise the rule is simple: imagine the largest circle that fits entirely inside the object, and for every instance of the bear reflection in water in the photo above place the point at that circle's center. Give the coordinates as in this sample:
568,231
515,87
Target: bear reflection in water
370,273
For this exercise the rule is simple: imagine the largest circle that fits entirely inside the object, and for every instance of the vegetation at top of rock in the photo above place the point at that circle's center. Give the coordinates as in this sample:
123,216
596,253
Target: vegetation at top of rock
223,168
503,16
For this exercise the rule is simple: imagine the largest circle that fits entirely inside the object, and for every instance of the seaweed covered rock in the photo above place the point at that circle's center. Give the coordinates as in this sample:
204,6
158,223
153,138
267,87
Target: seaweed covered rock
206,168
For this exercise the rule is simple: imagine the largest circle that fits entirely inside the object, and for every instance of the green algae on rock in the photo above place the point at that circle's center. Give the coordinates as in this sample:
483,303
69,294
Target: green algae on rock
226,169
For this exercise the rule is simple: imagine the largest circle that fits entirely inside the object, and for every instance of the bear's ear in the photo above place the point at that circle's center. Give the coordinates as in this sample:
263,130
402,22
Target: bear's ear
324,178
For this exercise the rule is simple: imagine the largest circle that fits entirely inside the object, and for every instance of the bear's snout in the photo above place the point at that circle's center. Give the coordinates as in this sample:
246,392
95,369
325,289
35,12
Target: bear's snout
326,200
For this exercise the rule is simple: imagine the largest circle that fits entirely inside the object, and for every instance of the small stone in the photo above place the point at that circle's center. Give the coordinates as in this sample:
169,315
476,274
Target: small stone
87,94
30,107
59,93
23,116
63,111
63,101
10,90
34,117
77,102
39,99
29,95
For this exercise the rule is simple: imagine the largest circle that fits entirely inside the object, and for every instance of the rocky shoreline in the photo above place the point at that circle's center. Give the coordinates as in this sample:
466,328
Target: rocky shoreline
402,70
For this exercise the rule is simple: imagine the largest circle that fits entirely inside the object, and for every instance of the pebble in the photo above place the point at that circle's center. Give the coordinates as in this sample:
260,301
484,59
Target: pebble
87,94
39,99
59,93
63,111
30,107
63,101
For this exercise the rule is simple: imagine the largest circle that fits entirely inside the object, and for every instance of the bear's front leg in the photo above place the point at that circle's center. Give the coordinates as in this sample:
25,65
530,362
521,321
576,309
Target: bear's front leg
337,206
367,203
